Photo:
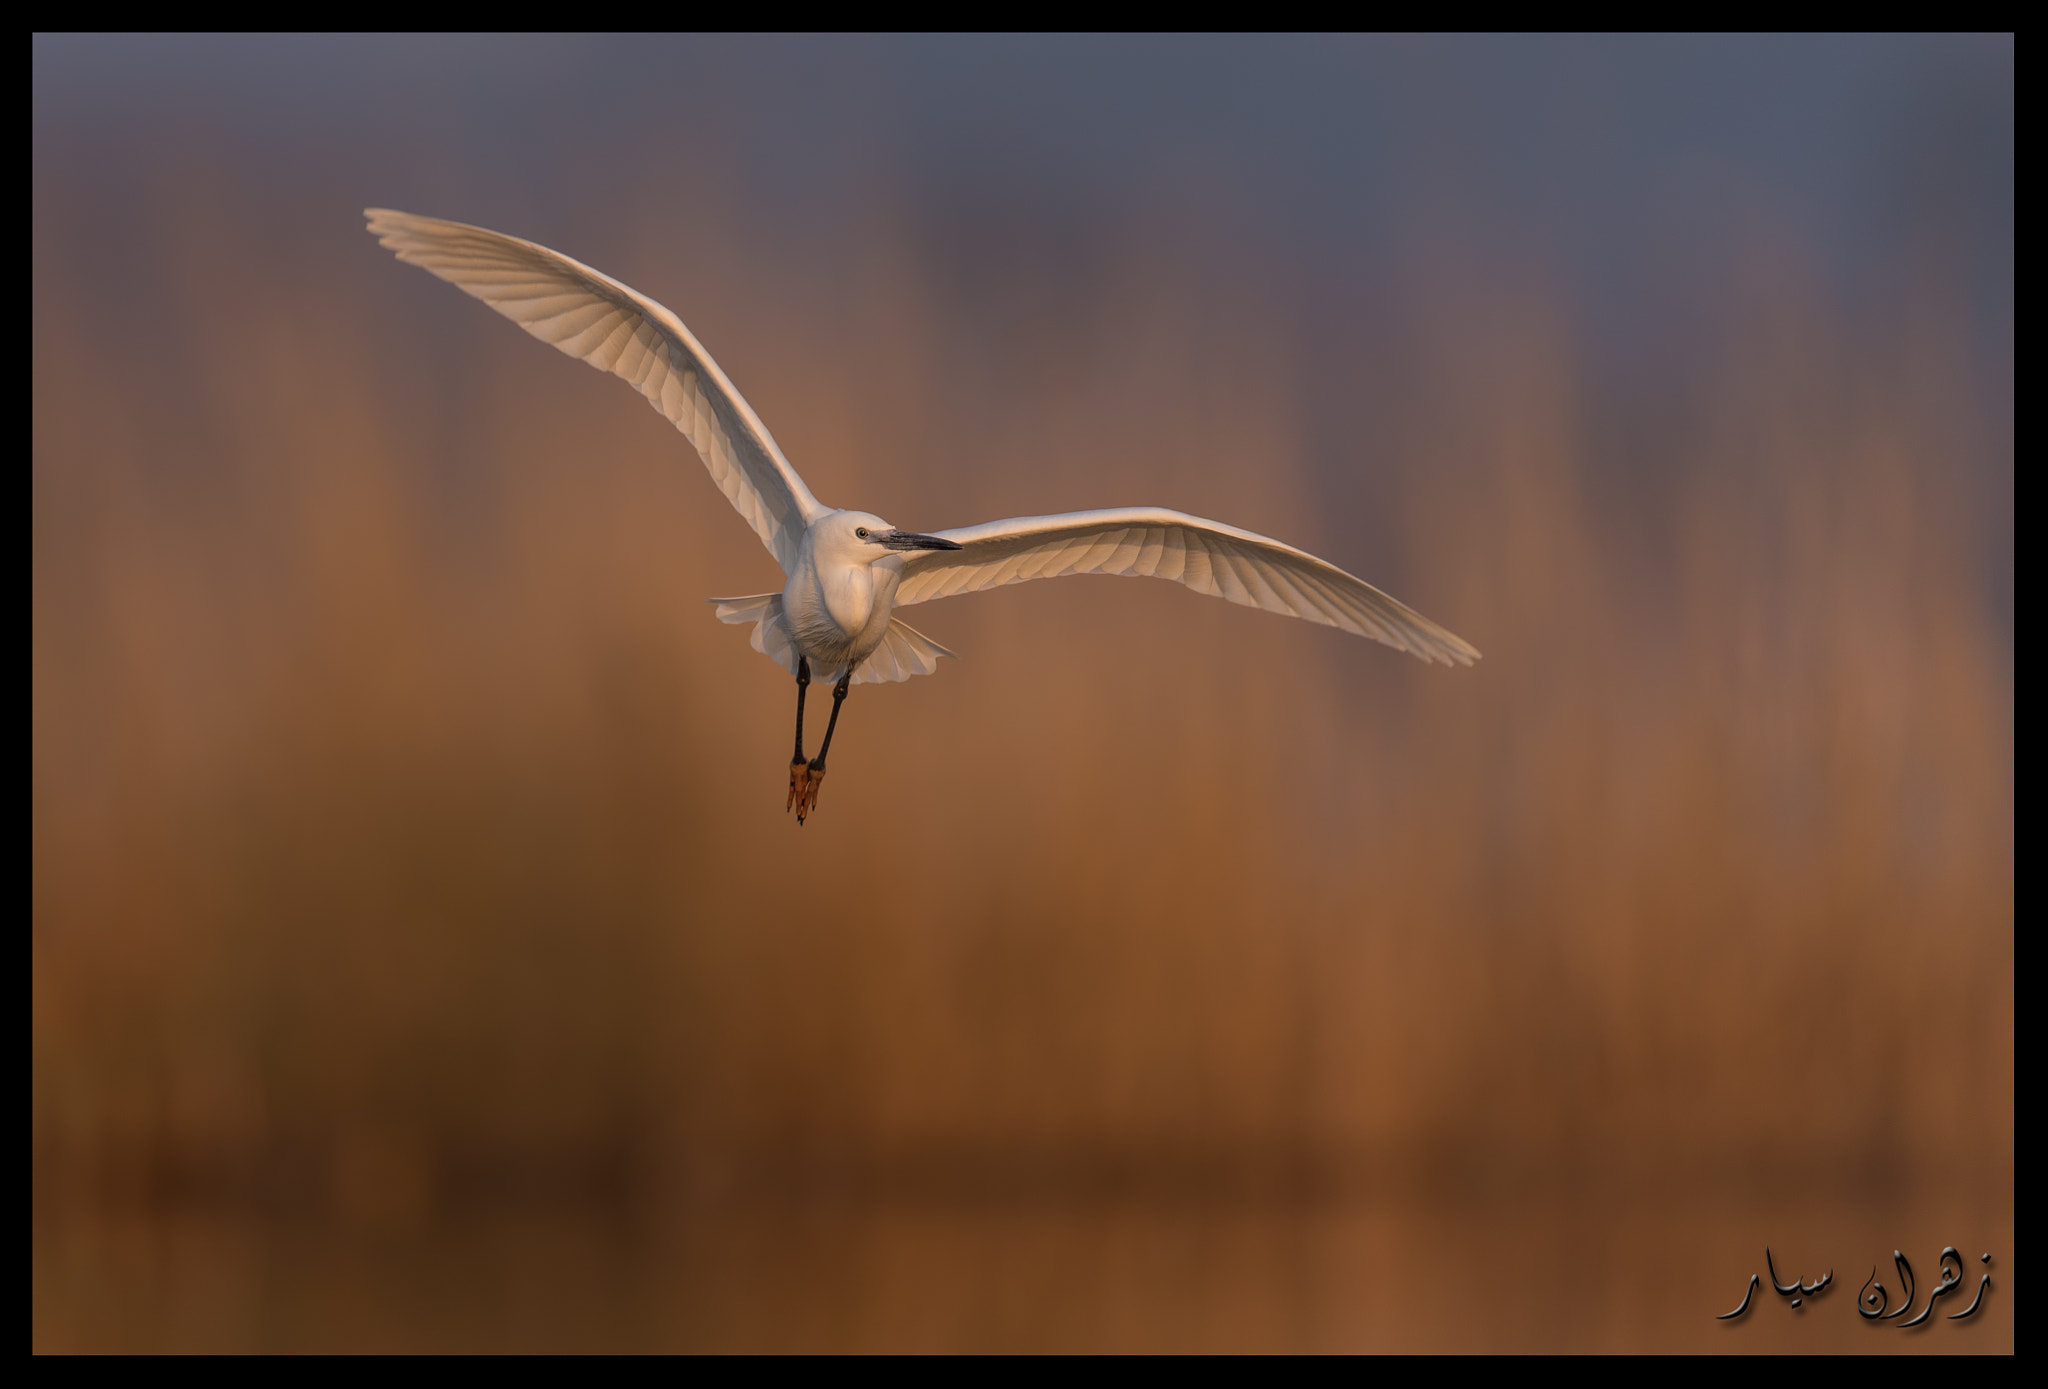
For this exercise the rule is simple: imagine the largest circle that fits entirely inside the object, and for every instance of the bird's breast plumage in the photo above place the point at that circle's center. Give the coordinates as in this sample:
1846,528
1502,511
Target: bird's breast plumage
839,614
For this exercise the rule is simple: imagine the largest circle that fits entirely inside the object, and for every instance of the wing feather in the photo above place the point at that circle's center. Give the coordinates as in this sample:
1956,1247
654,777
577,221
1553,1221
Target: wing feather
1150,550
1251,570
595,319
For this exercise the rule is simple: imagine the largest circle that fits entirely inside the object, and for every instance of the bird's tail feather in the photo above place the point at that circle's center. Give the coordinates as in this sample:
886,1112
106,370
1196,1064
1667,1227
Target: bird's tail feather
904,651
771,633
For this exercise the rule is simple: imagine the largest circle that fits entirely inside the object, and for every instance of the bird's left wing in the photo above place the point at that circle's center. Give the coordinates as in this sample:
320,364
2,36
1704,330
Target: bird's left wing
1207,556
595,319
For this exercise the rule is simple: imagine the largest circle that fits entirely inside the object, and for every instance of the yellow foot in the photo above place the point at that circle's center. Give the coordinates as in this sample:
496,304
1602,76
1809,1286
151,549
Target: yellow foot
808,781
799,781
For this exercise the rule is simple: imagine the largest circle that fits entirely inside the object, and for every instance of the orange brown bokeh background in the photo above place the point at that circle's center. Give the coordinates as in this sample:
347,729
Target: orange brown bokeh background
421,956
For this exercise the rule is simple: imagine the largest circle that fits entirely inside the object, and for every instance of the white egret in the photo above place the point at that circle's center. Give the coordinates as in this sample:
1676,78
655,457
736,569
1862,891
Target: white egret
849,571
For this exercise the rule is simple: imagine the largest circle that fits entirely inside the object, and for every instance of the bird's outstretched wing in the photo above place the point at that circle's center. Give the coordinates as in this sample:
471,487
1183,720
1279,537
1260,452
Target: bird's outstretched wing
596,319
1207,556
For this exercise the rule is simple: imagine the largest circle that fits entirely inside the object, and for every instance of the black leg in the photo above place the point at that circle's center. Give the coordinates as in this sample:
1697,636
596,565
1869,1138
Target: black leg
838,698
803,682
797,766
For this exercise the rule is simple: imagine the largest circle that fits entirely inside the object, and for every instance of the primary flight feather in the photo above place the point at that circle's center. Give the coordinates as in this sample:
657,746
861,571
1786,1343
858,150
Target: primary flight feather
848,571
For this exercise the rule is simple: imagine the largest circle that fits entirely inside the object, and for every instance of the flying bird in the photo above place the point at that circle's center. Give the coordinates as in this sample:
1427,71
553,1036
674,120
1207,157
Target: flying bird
850,571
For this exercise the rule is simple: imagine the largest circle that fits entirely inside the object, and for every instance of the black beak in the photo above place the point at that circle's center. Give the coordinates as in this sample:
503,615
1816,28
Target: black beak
907,540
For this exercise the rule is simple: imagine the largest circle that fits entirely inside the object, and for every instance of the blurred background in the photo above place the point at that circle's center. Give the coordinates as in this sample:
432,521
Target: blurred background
422,957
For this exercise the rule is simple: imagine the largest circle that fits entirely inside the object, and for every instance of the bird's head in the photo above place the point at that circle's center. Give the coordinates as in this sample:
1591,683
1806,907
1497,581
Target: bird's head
861,537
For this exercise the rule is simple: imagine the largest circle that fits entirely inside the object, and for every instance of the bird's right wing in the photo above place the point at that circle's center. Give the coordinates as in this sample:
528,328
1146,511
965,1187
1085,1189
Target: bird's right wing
595,319
1207,556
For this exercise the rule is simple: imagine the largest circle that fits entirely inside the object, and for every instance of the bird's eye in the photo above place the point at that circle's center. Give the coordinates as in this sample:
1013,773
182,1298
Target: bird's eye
861,531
